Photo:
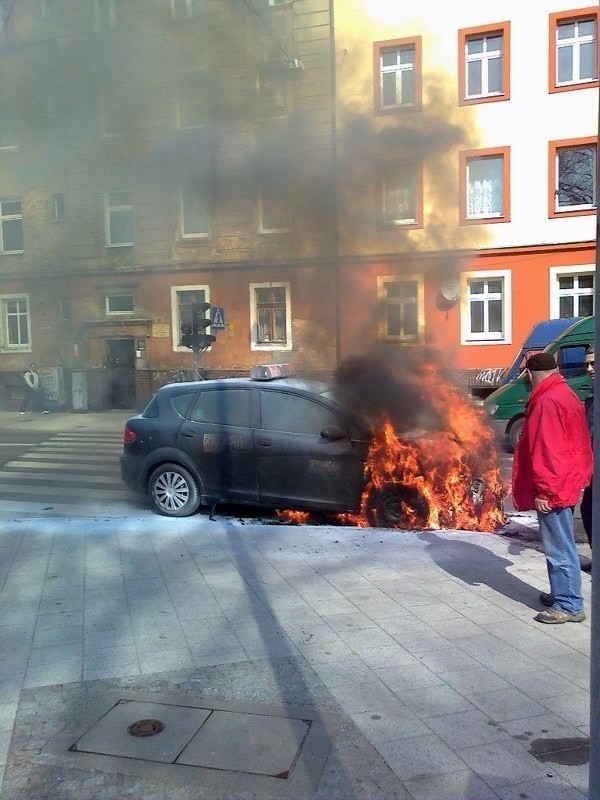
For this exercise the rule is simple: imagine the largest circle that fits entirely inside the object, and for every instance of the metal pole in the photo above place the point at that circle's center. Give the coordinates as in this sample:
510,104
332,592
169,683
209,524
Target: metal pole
594,785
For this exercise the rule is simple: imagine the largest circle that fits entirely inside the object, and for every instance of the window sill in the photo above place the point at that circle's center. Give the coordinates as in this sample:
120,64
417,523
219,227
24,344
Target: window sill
575,212
119,244
11,252
280,346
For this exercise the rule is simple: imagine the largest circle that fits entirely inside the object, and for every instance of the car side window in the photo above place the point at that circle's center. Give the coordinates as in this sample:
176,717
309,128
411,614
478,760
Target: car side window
224,407
281,411
181,402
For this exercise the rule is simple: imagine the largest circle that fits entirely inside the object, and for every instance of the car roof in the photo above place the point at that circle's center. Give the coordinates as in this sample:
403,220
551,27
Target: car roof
316,387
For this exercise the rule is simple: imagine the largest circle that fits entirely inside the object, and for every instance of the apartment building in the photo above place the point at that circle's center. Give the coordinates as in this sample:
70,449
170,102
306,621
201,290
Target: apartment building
157,155
467,151
334,177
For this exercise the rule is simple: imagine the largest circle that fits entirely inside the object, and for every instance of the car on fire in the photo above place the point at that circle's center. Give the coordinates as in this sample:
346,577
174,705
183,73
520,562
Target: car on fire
270,440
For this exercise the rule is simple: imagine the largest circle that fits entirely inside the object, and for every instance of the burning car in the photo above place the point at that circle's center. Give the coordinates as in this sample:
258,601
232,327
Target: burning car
279,441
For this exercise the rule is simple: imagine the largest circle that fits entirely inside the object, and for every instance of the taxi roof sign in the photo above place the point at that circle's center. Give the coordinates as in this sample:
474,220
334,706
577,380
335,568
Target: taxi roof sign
269,372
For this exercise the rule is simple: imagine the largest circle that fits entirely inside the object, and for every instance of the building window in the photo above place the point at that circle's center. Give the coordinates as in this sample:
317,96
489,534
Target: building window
11,226
572,177
402,195
574,49
194,213
118,304
402,309
485,186
484,64
16,324
184,9
119,219
192,100
279,2
274,201
572,291
58,208
182,300
397,68
270,316
106,14
272,91
64,309
486,309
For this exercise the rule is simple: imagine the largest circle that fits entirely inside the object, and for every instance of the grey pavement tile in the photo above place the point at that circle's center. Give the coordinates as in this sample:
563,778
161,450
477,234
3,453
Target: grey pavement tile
503,763
577,776
351,620
338,673
161,640
93,659
434,701
554,788
366,638
419,756
447,659
507,704
544,726
8,712
116,670
471,681
151,661
340,606
465,785
542,685
435,612
55,654
10,688
51,675
467,729
410,598
573,707
574,667
420,642
394,722
5,737
382,657
69,634
227,656
61,605
107,638
359,697
408,677
486,614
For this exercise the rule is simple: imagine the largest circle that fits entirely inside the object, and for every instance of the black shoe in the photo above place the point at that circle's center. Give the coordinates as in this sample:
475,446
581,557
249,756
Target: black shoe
587,567
546,599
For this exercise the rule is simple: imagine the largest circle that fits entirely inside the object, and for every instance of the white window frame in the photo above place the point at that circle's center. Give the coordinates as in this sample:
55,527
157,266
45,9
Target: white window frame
575,43
183,121
261,209
270,346
398,69
583,206
485,338
176,321
5,345
384,301
109,209
112,15
484,215
279,2
485,57
8,218
555,273
192,9
109,297
192,234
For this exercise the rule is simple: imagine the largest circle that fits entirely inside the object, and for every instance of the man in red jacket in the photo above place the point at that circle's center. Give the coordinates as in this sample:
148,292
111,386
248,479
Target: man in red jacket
552,464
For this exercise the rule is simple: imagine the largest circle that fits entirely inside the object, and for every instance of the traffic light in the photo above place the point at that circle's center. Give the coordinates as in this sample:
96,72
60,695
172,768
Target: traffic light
199,340
186,335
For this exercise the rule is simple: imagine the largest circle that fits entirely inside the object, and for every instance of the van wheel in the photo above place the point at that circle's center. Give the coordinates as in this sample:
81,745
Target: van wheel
397,506
173,491
514,433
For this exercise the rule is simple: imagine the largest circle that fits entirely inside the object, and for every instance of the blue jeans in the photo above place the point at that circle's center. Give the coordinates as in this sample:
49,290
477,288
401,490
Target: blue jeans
562,559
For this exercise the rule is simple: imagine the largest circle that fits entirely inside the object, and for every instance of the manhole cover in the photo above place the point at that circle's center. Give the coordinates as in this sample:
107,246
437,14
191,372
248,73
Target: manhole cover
146,727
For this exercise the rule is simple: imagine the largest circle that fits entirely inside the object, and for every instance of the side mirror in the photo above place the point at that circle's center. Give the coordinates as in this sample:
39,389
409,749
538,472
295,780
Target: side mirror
333,433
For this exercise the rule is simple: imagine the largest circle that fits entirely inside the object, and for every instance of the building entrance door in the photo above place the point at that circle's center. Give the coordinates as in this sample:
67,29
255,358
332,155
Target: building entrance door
120,365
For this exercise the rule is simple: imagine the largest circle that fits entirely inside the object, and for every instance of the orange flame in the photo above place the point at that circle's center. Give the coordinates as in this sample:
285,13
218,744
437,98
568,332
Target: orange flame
423,480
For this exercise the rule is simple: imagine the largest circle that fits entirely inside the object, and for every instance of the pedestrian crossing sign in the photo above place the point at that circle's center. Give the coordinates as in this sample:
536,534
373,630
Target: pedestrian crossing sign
218,318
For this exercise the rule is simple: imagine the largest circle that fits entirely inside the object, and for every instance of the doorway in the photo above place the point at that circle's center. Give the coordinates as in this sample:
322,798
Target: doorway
120,366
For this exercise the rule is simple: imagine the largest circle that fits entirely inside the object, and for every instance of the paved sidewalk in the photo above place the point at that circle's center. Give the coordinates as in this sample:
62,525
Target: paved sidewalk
423,645
56,421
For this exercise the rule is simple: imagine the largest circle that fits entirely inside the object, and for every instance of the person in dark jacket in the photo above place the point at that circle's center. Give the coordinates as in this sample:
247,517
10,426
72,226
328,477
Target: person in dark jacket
586,500
552,464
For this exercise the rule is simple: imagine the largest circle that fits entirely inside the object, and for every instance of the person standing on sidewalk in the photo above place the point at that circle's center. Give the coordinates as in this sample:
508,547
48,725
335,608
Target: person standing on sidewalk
586,500
33,391
552,464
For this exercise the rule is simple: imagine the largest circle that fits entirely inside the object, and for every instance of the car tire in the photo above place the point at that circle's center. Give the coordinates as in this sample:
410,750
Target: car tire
397,506
514,433
173,492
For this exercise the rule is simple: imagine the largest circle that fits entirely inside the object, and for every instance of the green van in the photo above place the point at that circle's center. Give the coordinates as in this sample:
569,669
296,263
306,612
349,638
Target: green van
506,406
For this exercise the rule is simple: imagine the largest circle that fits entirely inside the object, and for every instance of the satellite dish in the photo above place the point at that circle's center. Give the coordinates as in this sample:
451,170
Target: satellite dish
450,290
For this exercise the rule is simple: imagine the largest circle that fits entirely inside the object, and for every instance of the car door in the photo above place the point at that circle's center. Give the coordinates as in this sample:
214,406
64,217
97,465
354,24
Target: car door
296,465
219,436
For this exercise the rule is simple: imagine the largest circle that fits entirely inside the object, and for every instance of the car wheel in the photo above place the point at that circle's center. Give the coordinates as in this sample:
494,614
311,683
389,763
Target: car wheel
514,433
173,492
397,506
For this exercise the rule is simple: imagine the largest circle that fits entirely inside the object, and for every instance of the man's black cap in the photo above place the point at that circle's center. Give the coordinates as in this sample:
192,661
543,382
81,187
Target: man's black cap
541,362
